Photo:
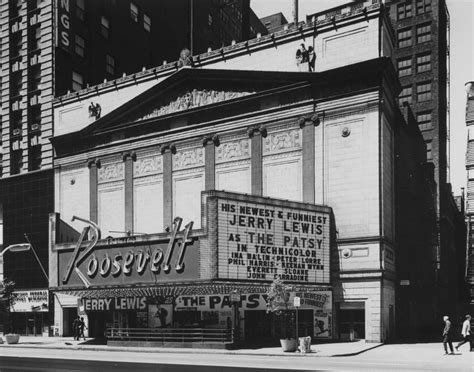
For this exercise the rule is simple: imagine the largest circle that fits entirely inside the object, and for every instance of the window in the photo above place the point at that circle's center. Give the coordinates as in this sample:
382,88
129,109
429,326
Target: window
110,64
35,38
404,67
80,44
209,20
423,92
404,38
34,157
146,22
423,6
404,10
423,62
16,85
105,27
470,174
16,158
423,33
470,133
80,8
16,46
35,79
429,155
134,12
405,95
424,120
77,81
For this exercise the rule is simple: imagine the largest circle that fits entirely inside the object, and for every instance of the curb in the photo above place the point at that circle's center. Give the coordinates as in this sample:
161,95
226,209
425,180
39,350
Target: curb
189,351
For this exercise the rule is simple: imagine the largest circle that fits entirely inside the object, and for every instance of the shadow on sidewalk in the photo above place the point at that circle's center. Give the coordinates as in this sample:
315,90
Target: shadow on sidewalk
94,341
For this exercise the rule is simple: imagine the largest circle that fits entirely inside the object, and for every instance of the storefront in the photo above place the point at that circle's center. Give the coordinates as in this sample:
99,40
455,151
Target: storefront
214,277
30,314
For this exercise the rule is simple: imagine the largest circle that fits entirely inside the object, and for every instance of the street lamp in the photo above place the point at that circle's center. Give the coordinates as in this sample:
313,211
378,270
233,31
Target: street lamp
12,248
21,247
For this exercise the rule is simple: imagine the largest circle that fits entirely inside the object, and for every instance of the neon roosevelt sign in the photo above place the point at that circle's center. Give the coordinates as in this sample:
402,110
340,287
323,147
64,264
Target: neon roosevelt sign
124,263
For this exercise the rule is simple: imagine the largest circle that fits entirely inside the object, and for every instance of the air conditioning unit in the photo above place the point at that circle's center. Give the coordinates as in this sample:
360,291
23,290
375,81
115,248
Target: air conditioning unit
16,132
35,126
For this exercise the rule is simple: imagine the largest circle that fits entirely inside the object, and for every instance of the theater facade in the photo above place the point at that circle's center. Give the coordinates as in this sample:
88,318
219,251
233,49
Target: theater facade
188,201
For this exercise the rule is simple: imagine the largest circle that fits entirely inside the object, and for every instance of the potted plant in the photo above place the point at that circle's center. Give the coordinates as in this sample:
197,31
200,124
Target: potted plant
278,303
7,299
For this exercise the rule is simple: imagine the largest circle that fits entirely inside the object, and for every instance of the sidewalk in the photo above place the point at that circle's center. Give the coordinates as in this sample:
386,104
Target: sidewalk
317,350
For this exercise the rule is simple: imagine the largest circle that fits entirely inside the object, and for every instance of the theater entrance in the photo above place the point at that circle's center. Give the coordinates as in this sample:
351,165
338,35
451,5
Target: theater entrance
351,321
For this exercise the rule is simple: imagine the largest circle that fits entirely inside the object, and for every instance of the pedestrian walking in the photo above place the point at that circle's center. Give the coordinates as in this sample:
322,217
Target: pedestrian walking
447,336
466,334
82,325
75,327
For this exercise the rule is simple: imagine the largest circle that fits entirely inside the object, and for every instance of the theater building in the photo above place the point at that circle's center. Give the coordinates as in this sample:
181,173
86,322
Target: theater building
215,182
207,182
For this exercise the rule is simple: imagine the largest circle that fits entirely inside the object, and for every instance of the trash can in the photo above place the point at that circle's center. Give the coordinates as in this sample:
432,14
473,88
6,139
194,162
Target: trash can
305,344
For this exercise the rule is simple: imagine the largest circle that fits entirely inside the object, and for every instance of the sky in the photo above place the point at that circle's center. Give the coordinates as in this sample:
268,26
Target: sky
461,62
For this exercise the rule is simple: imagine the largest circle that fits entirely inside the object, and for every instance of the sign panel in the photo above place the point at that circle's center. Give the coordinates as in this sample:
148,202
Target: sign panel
117,263
126,261
296,302
28,301
113,303
262,242
321,302
63,31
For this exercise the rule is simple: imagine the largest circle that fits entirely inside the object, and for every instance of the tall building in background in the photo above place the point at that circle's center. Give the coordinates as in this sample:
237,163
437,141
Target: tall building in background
275,22
52,47
469,273
421,57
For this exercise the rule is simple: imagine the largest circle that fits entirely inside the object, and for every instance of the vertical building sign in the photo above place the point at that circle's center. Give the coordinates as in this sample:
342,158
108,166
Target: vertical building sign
63,26
263,242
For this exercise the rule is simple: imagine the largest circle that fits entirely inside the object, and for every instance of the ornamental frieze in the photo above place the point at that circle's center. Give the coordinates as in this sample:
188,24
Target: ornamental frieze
147,166
191,99
110,172
229,151
288,141
188,158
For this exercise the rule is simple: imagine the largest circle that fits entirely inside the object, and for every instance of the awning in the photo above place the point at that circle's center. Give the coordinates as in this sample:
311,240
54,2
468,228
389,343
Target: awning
165,290
173,290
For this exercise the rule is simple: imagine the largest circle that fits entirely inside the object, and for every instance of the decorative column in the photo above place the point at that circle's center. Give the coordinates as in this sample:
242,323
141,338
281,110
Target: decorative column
307,125
93,195
129,158
167,150
210,156
256,133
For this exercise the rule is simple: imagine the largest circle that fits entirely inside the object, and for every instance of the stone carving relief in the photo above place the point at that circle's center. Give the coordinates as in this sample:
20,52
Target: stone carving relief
288,141
110,172
147,166
233,150
188,158
193,98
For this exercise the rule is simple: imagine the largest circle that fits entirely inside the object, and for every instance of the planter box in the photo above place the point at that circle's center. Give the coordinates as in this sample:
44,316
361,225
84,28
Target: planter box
12,338
288,344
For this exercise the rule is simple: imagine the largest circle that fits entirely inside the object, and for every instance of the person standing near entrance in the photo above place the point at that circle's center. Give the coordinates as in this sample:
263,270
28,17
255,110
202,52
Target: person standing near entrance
447,336
466,334
75,327
82,325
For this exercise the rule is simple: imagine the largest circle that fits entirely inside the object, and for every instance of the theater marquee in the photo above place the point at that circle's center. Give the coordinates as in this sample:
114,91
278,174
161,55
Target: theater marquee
262,242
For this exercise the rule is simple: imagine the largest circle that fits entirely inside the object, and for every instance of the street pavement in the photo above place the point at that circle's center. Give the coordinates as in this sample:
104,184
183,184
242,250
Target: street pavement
347,356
